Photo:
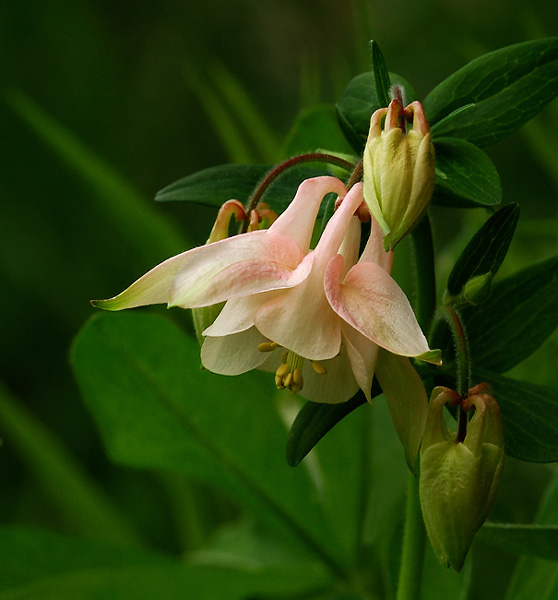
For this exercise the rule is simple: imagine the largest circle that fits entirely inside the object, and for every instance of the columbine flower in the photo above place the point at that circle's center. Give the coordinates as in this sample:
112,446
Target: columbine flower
398,169
326,318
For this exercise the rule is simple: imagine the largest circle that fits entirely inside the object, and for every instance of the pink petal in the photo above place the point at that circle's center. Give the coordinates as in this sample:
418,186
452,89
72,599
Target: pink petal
297,222
233,354
374,250
238,266
334,386
371,301
406,398
362,355
301,320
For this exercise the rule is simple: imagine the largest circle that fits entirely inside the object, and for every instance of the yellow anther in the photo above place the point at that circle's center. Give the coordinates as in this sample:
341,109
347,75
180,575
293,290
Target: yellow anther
282,370
284,357
267,346
297,378
318,368
287,382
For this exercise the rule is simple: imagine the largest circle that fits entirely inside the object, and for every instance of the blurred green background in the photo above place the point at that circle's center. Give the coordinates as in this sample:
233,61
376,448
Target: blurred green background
105,103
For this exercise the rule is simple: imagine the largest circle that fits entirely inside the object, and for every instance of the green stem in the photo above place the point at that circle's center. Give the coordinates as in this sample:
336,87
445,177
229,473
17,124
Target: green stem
410,572
281,168
453,319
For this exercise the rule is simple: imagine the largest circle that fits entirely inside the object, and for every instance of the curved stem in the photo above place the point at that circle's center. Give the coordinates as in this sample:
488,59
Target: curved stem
281,168
410,572
453,319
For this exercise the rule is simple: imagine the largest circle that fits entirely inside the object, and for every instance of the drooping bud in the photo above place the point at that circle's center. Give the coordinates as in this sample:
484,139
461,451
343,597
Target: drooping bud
459,480
398,169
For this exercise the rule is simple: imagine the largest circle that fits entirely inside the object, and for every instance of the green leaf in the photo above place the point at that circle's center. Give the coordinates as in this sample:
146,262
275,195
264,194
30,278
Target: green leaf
537,577
535,540
28,554
486,250
382,82
358,104
165,582
496,93
465,176
65,485
216,185
314,128
42,564
140,377
313,421
530,416
520,314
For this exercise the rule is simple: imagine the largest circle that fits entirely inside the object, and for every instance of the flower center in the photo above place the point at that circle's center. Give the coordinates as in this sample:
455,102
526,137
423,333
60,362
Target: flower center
289,373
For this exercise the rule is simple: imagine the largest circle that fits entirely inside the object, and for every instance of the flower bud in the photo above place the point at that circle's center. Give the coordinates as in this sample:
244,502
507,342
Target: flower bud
477,290
459,480
398,169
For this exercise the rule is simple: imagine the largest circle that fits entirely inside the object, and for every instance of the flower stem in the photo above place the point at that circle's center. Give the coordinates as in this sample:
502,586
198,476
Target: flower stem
453,319
410,572
281,168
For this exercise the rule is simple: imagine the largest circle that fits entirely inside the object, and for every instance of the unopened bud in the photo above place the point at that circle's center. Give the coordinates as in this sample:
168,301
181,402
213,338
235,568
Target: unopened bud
477,290
398,169
459,480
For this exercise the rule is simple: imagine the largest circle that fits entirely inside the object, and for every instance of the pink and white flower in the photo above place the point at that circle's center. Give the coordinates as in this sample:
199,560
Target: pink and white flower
319,315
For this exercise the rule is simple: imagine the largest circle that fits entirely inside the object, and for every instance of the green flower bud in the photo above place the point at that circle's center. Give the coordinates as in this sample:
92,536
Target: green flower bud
477,290
398,169
459,480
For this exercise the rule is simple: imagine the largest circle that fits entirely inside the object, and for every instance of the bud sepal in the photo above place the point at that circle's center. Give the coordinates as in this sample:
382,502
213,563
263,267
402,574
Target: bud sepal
459,479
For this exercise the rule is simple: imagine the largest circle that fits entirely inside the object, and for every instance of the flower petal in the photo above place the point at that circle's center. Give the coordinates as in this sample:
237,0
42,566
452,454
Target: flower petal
301,320
362,355
233,354
374,250
297,222
238,314
406,398
371,301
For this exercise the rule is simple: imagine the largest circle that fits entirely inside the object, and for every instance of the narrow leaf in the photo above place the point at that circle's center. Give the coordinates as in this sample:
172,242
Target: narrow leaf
314,420
496,93
529,414
465,176
358,104
486,250
382,83
216,185
520,314
535,540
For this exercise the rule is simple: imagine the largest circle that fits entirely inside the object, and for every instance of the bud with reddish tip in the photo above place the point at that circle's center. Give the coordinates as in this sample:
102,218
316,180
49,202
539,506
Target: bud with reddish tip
398,164
459,480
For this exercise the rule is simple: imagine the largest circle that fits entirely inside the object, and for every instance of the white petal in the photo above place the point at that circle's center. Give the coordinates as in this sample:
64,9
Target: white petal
233,354
406,398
